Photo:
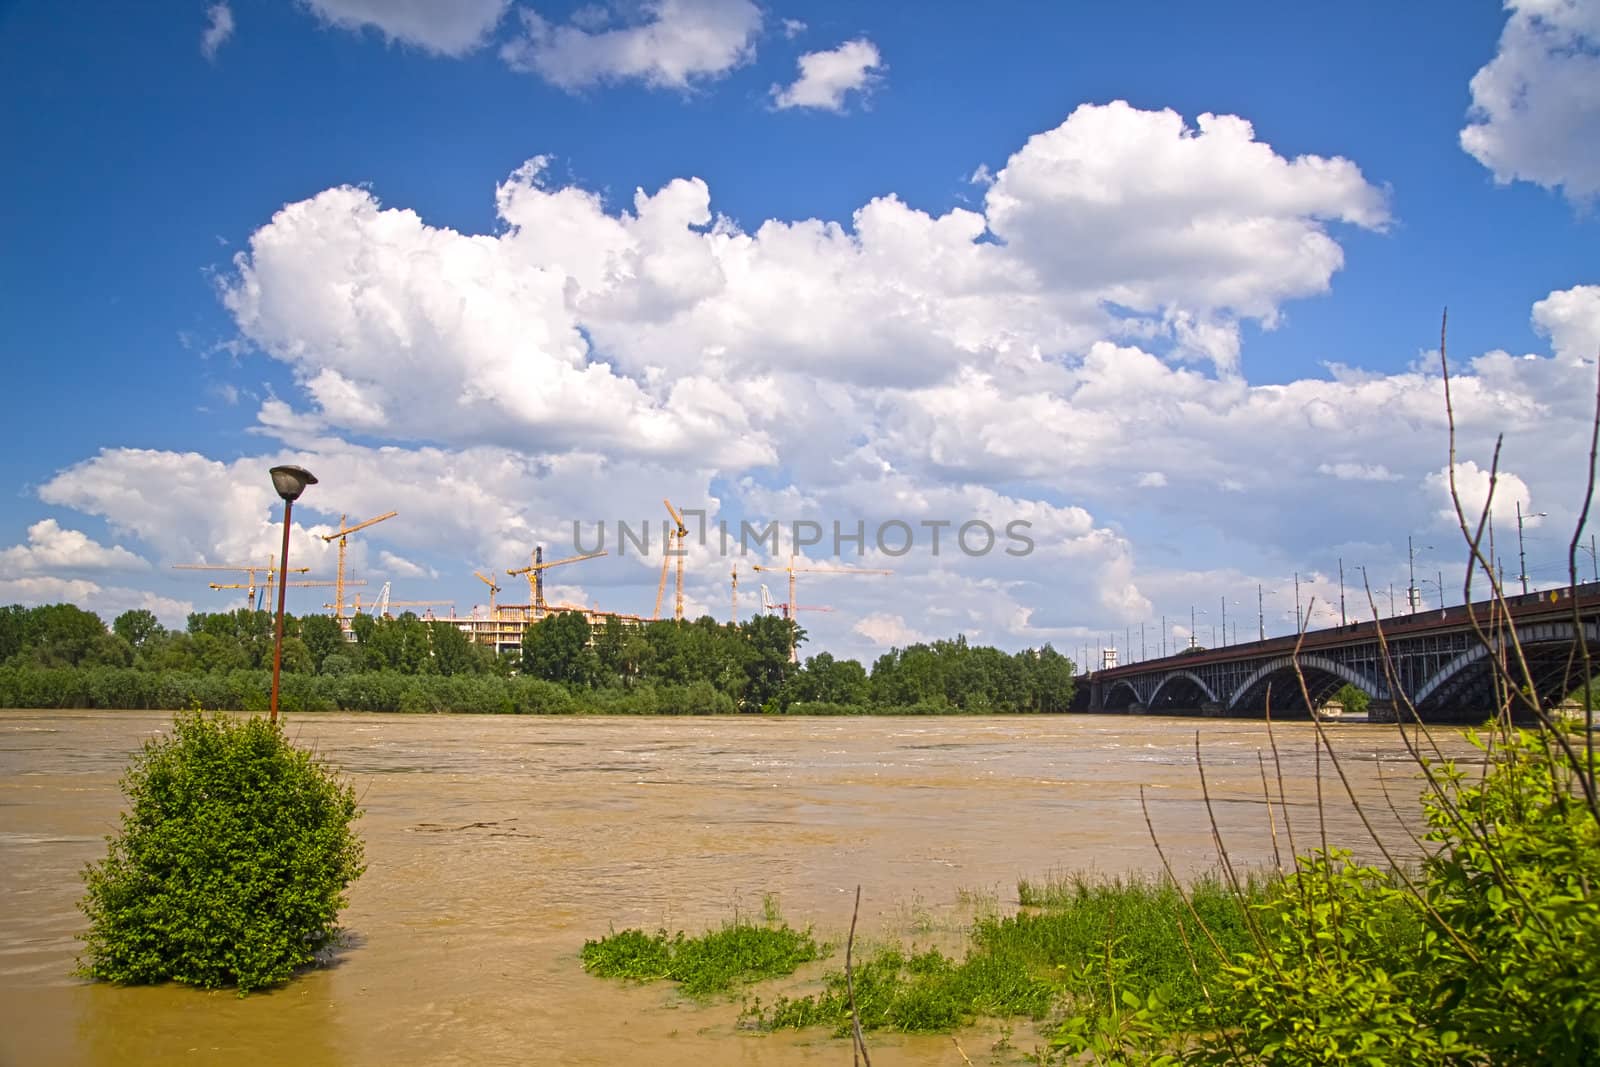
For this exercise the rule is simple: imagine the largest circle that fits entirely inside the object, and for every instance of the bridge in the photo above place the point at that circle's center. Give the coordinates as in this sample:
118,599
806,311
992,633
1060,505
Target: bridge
1436,660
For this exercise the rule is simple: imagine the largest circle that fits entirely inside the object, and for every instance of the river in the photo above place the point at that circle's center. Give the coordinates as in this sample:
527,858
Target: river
496,846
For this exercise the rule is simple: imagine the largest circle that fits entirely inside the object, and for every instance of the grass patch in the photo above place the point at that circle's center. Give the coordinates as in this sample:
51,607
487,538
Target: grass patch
738,953
1027,964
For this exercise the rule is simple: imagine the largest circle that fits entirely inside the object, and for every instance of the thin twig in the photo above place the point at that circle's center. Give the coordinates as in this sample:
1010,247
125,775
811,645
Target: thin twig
1272,824
858,1043
1582,643
1226,860
1173,878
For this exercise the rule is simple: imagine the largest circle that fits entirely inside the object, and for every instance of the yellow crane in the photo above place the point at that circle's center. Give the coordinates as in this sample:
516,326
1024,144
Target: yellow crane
429,604
792,570
272,583
494,587
343,534
251,570
675,535
382,605
535,572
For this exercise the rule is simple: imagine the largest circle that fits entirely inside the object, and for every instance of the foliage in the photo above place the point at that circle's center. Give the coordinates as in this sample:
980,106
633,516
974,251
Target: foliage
958,676
136,626
915,992
231,864
738,952
1353,699
1488,953
660,667
1025,964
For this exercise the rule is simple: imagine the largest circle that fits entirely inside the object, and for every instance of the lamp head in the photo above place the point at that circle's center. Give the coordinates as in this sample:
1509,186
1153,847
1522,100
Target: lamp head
291,481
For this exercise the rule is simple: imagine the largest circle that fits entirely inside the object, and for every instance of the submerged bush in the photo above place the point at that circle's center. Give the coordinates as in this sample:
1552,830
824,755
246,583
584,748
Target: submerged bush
231,863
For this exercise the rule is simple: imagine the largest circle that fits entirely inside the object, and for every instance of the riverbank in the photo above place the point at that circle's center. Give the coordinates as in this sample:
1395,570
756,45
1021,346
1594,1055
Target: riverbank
133,689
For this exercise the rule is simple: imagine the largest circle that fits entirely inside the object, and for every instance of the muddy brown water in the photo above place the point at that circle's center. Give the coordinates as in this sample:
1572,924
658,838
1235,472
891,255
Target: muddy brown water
496,846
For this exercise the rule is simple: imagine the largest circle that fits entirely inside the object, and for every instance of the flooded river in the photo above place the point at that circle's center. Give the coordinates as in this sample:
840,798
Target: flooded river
496,846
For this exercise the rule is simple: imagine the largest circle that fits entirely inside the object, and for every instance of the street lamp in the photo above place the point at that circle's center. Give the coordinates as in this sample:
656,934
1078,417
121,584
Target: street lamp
1522,557
1192,641
1411,586
290,482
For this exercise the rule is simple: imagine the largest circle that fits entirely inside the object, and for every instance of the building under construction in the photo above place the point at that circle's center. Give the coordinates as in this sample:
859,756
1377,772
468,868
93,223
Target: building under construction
502,627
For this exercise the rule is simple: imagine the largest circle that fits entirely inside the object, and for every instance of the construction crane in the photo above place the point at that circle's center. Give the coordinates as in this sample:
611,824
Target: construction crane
267,586
380,607
768,604
343,534
792,570
429,604
249,585
535,572
494,587
733,613
675,536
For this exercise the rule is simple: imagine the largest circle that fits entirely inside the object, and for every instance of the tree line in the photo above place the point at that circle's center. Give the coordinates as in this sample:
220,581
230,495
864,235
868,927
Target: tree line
60,655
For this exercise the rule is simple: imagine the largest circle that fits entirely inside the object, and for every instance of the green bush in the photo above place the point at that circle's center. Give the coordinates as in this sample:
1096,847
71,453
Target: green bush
231,864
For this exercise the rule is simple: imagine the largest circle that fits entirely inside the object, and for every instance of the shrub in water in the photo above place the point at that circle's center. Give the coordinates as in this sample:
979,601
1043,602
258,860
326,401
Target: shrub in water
231,864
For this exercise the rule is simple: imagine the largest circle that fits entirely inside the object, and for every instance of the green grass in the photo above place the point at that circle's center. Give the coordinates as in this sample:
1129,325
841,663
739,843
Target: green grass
739,952
1028,964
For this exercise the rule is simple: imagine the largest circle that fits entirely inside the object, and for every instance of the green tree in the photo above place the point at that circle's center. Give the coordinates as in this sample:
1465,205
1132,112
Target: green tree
13,630
136,626
452,650
61,635
556,649
830,681
767,665
1353,698
1053,681
322,636
231,863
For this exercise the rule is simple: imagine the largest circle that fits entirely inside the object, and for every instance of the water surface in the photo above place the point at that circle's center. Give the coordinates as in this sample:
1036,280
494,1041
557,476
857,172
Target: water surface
497,845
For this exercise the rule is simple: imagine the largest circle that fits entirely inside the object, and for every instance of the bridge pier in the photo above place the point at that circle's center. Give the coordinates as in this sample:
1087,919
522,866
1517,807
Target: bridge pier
1383,711
1211,709
1137,708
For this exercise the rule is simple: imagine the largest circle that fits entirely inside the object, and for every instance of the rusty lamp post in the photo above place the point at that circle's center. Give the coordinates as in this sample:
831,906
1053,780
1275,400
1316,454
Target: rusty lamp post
290,482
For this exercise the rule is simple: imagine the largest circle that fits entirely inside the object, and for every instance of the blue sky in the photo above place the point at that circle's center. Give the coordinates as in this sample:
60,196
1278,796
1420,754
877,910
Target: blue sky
1067,297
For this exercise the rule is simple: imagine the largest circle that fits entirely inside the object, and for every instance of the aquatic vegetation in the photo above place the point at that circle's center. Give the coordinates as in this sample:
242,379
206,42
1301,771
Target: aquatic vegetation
739,952
1028,964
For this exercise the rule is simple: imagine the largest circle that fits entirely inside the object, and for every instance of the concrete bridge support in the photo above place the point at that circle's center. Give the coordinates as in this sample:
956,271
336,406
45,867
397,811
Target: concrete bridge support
1211,709
1383,711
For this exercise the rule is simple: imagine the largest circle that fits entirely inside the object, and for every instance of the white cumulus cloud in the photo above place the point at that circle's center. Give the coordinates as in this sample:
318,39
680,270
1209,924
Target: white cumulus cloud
1358,472
1138,208
1474,486
886,630
1536,105
450,27
826,78
219,27
672,45
54,550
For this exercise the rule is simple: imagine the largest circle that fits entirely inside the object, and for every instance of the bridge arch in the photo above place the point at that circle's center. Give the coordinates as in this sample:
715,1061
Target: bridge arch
1121,696
1315,663
1176,676
1528,636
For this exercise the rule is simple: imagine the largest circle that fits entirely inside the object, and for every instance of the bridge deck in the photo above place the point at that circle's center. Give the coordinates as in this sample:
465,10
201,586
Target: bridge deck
1433,655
